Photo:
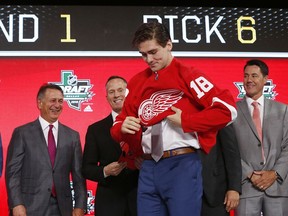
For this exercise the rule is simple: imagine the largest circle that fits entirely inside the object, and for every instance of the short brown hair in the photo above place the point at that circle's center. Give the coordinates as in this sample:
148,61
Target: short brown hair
149,31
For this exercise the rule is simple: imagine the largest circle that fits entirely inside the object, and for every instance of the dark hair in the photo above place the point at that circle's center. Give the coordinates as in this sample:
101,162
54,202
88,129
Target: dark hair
262,65
115,77
46,86
150,31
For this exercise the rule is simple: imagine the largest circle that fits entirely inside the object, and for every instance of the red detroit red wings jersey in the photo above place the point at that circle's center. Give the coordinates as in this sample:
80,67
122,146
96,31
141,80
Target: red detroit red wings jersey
158,103
205,107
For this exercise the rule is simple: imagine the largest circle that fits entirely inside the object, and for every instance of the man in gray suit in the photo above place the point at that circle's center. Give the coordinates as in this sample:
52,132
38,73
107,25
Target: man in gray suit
30,175
264,154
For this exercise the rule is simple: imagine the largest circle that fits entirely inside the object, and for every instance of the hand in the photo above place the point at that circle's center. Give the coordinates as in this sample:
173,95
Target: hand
231,200
255,177
263,179
175,119
114,168
19,210
78,212
130,125
138,162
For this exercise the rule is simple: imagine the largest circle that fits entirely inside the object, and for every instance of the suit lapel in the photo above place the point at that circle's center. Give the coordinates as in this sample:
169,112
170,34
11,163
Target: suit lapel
60,142
109,123
243,107
39,138
266,122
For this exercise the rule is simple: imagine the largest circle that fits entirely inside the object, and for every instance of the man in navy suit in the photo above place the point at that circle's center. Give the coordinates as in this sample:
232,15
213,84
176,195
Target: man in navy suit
116,192
30,175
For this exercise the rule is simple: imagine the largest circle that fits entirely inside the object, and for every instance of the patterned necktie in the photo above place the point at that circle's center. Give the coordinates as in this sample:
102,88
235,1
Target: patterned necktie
156,142
257,122
52,153
51,145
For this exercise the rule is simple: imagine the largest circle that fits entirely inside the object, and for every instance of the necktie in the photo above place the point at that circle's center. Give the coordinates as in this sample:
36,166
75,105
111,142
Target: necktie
156,142
51,145
257,122
52,152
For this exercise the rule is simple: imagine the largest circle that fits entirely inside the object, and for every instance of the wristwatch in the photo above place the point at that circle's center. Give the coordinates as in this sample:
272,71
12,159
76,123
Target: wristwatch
278,176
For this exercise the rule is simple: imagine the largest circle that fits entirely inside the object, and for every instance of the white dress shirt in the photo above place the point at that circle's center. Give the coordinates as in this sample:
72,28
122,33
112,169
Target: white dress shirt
261,106
173,137
45,128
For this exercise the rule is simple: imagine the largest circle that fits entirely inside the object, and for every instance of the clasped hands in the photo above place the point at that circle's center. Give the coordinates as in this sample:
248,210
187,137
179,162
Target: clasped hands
263,179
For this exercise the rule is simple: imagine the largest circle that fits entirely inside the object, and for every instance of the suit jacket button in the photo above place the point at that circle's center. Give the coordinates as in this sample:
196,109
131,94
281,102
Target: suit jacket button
261,163
259,144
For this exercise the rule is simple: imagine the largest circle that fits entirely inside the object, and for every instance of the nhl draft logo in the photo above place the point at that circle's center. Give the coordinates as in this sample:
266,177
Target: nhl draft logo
90,199
76,91
90,202
267,90
158,103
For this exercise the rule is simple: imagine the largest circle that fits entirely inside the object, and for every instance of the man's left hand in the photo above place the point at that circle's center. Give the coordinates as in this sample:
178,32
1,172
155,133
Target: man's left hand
175,119
231,200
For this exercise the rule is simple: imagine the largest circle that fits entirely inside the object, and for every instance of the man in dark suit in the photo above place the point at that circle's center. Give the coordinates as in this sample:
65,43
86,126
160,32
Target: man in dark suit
30,175
264,152
116,192
221,175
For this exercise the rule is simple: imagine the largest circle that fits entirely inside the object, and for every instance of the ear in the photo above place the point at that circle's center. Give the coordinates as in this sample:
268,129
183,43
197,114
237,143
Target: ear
169,45
126,92
266,78
39,104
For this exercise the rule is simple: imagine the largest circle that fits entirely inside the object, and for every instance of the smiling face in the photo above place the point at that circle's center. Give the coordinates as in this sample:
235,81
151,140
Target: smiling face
115,93
254,81
51,105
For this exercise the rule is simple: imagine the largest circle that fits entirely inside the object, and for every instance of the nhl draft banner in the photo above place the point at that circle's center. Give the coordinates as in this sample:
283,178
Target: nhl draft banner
79,47
106,28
